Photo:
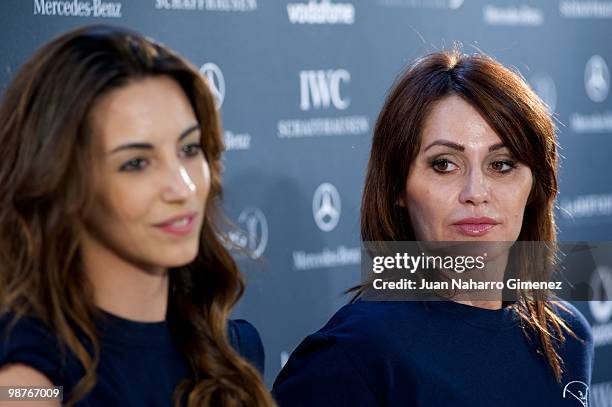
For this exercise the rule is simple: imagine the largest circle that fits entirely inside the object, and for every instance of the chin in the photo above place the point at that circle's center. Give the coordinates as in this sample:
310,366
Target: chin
179,257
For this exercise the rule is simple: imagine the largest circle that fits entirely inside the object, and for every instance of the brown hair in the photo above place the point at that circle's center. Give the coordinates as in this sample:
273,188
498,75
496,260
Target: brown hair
45,190
523,123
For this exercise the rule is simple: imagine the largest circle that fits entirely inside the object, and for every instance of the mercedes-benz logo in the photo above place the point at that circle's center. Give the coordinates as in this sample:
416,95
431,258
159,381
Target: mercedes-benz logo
216,82
255,236
326,207
545,88
597,79
601,284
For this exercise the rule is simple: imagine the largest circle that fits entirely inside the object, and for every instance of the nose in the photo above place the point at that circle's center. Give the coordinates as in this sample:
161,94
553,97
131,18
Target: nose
476,189
178,185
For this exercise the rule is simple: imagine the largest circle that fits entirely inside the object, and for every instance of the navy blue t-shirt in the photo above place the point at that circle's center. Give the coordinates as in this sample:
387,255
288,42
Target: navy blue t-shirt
438,353
139,363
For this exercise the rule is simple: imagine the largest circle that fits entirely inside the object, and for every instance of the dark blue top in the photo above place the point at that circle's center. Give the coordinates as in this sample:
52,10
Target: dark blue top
432,354
139,364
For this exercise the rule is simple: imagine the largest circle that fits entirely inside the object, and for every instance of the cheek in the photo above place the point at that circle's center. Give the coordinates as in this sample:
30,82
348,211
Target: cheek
519,209
513,198
426,204
520,192
199,172
129,200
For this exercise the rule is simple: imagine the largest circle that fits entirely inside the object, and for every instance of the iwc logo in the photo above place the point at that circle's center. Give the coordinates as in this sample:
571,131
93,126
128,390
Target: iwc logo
577,390
322,88
216,82
326,207
597,79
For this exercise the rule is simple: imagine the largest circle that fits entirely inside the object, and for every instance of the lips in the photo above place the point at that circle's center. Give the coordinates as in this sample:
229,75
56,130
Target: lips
179,225
475,227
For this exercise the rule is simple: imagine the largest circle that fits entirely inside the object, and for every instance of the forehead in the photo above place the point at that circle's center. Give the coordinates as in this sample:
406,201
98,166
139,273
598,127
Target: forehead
153,109
453,119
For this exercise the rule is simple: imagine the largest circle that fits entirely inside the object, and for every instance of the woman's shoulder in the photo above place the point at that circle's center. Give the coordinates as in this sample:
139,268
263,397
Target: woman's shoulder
575,320
26,340
245,339
577,352
347,361
372,319
360,327
19,333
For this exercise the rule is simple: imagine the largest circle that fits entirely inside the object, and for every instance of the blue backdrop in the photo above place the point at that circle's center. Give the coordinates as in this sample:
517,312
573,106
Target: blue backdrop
299,84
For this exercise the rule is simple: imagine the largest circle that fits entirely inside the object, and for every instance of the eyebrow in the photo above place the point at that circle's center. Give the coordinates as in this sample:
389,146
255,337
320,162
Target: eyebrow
459,147
149,146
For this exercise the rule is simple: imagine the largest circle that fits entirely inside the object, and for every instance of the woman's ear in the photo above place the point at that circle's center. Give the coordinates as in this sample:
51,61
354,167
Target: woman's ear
400,201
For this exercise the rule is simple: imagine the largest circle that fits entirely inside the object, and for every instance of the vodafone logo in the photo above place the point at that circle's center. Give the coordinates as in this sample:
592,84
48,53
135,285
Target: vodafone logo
321,12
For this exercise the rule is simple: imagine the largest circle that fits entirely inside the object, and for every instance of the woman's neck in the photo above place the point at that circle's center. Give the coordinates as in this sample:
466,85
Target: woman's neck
123,288
490,298
493,305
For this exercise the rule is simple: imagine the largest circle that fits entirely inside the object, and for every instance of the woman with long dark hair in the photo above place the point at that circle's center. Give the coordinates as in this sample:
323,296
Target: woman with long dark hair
463,151
114,279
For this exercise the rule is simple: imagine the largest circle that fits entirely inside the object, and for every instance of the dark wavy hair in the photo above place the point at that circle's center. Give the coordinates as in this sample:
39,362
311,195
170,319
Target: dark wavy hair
45,173
525,126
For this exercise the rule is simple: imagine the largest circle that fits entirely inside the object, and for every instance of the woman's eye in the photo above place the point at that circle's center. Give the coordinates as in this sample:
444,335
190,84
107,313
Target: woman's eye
503,166
191,150
443,165
135,164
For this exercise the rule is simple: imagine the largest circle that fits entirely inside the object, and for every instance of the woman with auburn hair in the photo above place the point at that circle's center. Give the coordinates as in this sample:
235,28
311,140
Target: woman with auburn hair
463,151
114,282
